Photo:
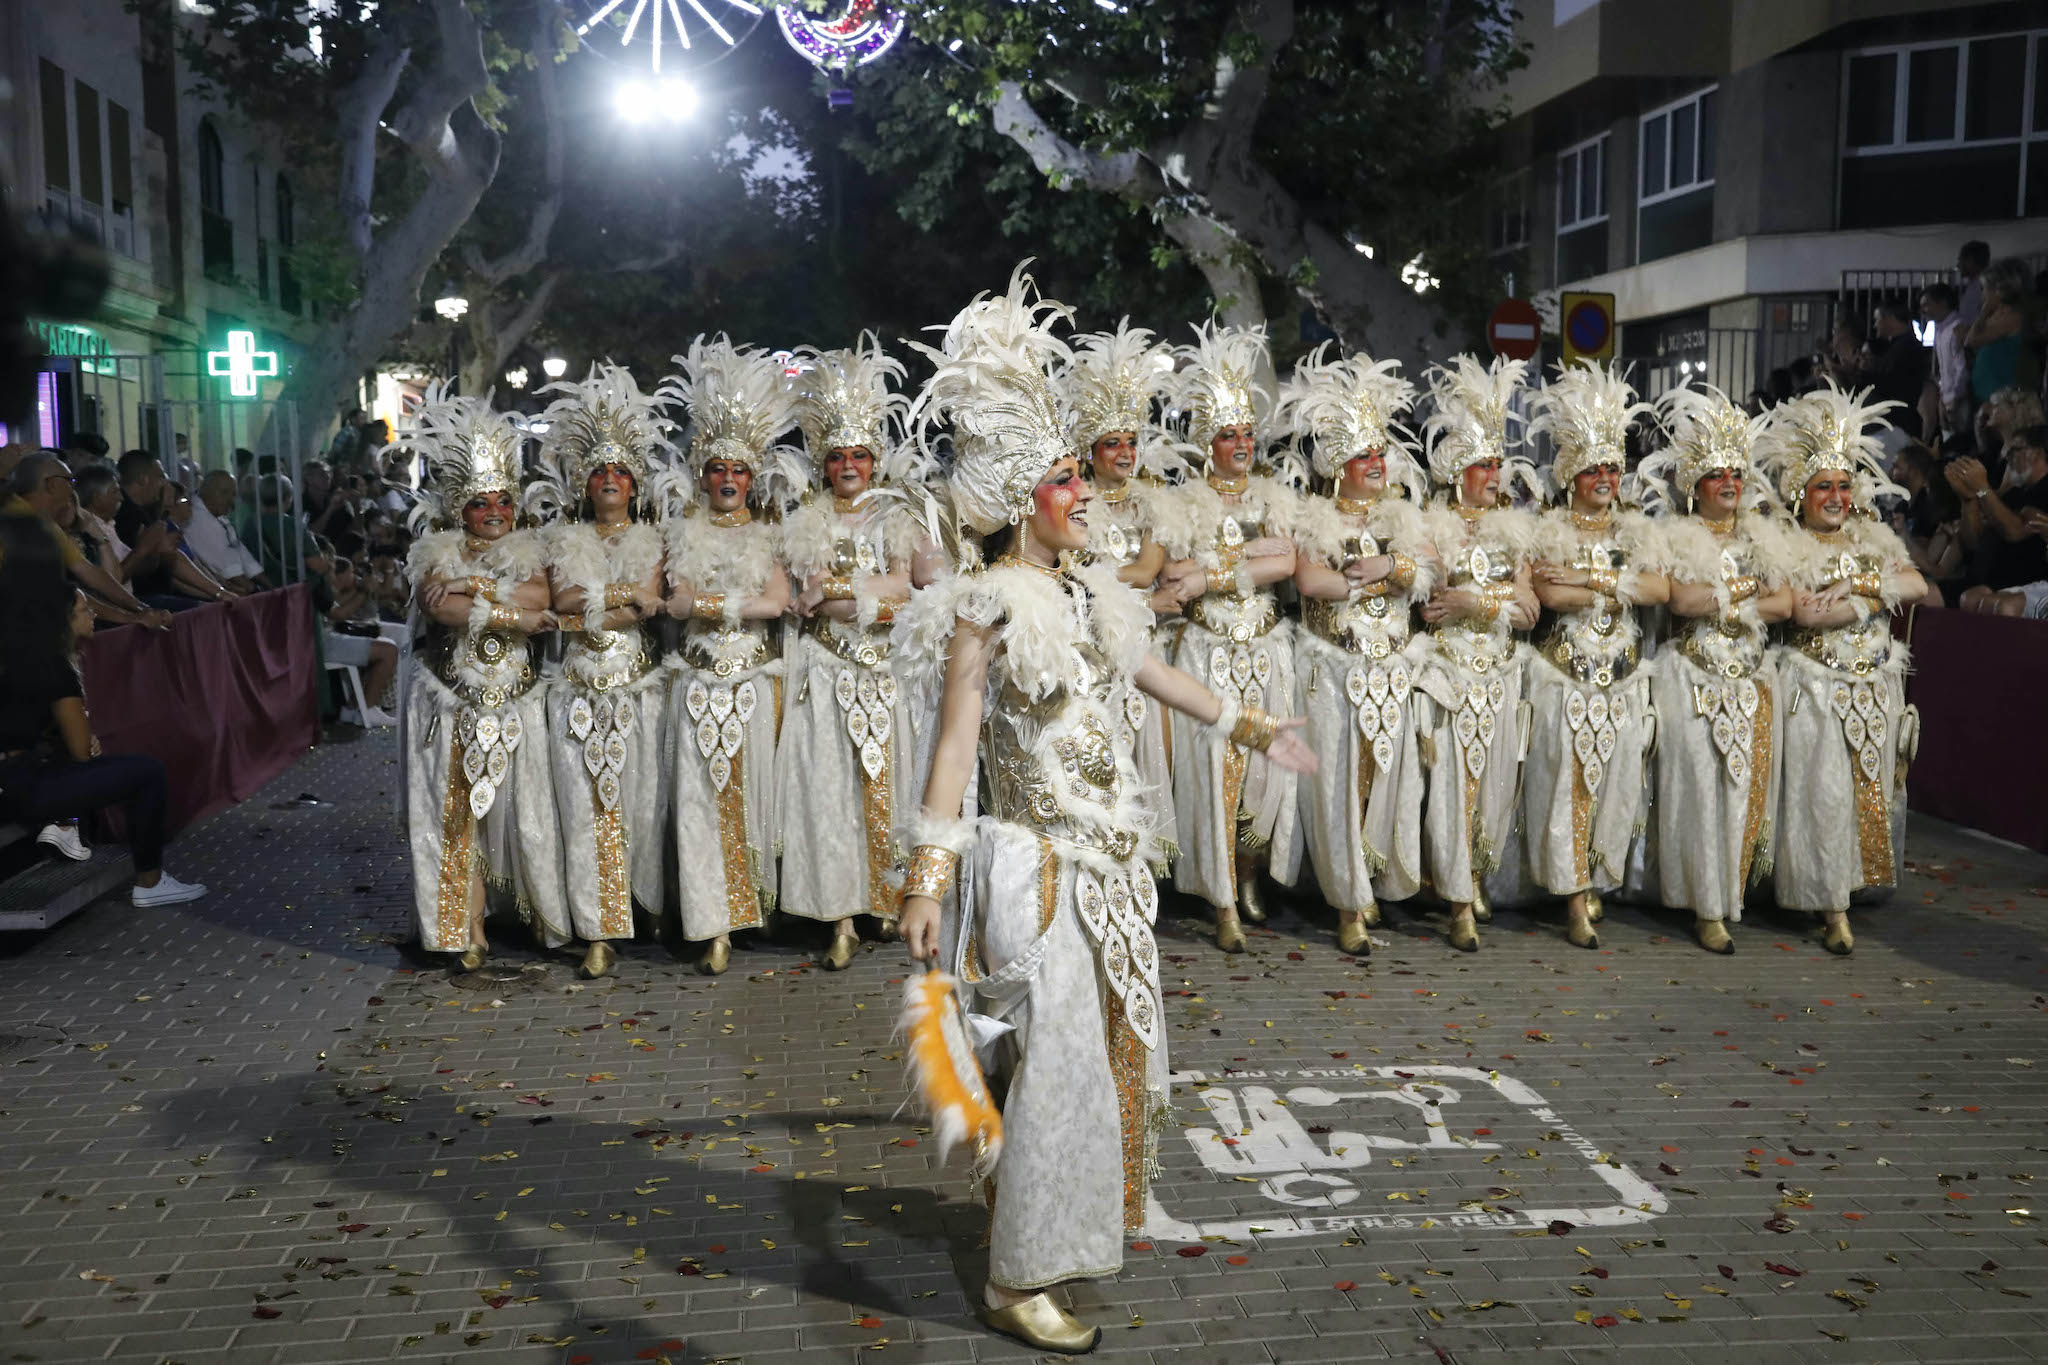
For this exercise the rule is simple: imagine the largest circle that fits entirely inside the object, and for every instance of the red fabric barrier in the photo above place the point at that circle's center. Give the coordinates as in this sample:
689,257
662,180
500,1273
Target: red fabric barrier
227,697
1983,758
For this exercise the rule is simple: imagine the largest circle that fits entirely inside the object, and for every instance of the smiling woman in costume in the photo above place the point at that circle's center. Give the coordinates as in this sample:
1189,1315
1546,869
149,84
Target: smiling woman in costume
1848,732
1584,781
479,792
1054,934
728,587
608,459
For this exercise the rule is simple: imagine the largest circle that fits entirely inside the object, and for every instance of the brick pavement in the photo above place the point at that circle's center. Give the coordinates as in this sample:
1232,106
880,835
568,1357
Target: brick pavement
255,1130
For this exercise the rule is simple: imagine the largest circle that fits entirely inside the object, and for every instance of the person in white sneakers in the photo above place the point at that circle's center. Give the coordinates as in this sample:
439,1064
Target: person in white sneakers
63,836
51,767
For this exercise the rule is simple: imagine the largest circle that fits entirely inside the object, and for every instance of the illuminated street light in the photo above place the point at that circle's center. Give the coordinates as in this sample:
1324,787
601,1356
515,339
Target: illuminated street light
451,306
516,376
668,100
554,367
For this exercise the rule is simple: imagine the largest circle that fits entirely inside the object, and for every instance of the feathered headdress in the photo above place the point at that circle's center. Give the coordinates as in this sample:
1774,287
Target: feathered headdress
470,448
1828,429
603,419
844,399
1348,408
994,386
1112,383
1473,407
1220,385
1708,432
1587,409
740,402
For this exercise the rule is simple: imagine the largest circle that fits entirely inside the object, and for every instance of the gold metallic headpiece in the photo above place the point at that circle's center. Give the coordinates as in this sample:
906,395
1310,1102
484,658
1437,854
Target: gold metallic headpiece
1587,409
845,400
1827,429
602,419
1473,405
1220,385
1348,407
1112,384
471,449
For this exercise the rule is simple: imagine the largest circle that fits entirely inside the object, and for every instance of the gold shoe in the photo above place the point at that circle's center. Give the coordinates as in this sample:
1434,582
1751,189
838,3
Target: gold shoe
1463,934
716,958
1229,933
840,955
1713,936
1040,1322
597,960
1251,902
1594,909
1370,916
1582,934
1351,937
1839,940
473,957
1482,913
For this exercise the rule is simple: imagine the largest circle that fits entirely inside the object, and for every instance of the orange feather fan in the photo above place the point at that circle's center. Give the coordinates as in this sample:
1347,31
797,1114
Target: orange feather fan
943,1070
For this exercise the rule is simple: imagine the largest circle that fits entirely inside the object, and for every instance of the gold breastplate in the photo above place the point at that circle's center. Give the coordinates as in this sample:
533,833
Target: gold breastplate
1053,763
1480,646
1236,617
1115,538
1602,643
603,659
1727,647
1861,647
723,650
488,667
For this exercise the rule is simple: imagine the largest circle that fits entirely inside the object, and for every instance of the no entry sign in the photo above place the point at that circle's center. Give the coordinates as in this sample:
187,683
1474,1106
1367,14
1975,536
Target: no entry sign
1515,330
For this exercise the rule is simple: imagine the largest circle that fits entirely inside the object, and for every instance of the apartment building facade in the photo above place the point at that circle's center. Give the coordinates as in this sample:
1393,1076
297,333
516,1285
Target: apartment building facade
1738,173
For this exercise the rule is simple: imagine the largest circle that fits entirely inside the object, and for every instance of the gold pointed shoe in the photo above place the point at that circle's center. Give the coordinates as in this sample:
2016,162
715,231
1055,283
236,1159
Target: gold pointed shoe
1582,934
1229,933
473,957
1463,935
598,960
1482,912
1040,1322
1251,902
840,955
1594,909
1839,940
1370,916
1713,936
1351,937
716,958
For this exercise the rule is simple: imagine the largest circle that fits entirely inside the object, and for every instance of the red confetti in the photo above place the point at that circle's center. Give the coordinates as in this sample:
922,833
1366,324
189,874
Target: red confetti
1597,1272
904,1142
267,1313
353,1227
1346,1286
763,1169
1607,1320
1558,1227
1482,1132
1853,1217
1191,1252
1777,1269
870,1323
1237,1260
1141,1246
718,1249
498,1300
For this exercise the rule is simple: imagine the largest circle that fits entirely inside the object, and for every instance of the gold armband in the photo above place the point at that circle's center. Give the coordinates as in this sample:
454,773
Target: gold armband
1221,580
617,595
1602,581
1402,575
1254,729
1866,585
708,604
1742,588
838,588
931,872
505,616
885,612
571,623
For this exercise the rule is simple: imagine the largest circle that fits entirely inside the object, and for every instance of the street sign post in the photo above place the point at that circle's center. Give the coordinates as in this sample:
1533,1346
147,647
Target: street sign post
1515,330
1586,326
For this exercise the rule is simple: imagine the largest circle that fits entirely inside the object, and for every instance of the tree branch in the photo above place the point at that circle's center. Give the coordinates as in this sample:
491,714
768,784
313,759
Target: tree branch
1125,173
457,76
1219,255
360,109
547,206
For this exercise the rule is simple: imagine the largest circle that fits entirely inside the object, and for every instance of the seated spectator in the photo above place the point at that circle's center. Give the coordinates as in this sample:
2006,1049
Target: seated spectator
245,474
51,767
1931,522
98,495
68,520
2002,414
400,489
387,584
355,636
82,448
212,540
2008,555
40,492
329,502
167,579
290,553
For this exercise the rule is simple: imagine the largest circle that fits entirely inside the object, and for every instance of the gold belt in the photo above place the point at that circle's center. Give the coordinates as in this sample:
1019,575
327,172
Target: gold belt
865,650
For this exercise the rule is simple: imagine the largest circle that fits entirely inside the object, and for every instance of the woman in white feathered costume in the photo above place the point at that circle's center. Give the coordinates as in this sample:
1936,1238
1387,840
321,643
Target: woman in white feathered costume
1713,684
1848,733
1585,780
1111,385
728,587
1469,704
606,456
1054,934
1227,550
1363,562
847,750
479,794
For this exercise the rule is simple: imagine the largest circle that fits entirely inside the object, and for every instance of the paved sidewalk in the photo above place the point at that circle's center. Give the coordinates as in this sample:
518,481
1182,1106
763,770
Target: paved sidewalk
255,1129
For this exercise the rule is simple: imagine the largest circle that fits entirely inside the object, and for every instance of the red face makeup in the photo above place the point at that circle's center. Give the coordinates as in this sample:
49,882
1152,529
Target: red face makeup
1829,495
1479,485
490,515
1366,472
849,471
1115,456
727,484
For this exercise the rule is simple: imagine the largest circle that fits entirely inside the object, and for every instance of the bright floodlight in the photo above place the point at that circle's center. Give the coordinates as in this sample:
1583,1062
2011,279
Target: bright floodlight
451,306
516,376
668,100
554,367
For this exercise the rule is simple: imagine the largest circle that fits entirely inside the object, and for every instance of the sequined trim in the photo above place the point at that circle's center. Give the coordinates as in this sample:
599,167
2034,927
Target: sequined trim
454,904
1755,832
1048,883
742,894
614,890
1127,1058
1582,826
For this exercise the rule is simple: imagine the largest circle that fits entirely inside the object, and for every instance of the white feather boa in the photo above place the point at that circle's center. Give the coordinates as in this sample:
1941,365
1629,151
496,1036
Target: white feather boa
1510,529
810,532
513,558
1035,622
1815,565
1184,519
738,561
1320,532
581,558
1693,552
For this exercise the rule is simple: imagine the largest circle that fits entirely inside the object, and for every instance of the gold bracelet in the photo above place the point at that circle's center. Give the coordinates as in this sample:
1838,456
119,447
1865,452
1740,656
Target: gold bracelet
1866,585
1742,588
1602,581
571,623
931,872
838,588
708,604
504,615
617,595
1403,575
1254,729
885,613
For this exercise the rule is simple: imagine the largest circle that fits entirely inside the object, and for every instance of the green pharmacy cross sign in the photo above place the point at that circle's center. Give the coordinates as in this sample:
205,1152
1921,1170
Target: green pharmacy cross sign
242,364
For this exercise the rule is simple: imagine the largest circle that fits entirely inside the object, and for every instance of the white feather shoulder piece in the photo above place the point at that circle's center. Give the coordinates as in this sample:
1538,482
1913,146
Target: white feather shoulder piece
1815,564
1185,518
1518,534
737,561
516,557
1039,625
581,558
